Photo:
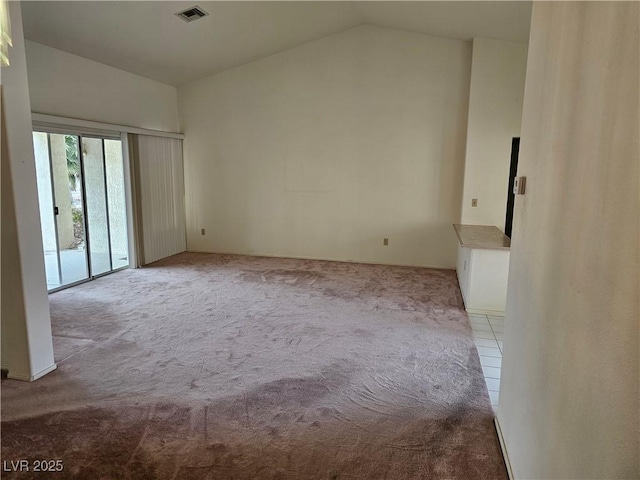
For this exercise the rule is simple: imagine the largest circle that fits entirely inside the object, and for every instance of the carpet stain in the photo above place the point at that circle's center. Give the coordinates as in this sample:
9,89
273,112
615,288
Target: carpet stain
302,278
155,442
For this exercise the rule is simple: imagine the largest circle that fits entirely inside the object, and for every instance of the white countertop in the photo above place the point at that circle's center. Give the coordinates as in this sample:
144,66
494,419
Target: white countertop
482,236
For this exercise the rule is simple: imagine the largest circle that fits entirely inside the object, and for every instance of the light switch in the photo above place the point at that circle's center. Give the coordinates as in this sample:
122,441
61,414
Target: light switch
519,185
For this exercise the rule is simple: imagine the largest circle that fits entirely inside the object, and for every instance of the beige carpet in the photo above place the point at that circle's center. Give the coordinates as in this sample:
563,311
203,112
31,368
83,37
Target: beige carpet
235,367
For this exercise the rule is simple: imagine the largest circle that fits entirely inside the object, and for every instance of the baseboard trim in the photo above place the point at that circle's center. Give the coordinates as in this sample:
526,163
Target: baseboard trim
503,447
480,311
31,378
340,260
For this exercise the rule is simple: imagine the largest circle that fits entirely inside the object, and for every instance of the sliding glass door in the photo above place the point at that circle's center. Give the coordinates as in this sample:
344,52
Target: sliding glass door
97,215
82,206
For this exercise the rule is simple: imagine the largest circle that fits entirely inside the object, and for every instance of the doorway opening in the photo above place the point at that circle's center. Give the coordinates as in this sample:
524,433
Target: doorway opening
83,214
511,198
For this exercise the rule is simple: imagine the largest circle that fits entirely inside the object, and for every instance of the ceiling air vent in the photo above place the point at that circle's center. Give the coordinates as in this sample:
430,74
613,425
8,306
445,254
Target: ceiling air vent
191,14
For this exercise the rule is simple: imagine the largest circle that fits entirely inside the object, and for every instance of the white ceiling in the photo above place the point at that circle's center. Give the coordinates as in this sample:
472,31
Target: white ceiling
146,38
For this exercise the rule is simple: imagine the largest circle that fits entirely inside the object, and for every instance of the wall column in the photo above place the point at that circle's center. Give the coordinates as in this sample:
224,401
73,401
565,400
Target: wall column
27,347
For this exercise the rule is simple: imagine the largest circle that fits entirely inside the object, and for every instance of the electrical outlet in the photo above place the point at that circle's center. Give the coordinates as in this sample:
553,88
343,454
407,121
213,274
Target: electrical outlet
474,202
385,241
202,231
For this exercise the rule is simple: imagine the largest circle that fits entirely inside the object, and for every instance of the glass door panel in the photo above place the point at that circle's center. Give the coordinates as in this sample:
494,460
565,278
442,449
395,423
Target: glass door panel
117,207
96,199
47,216
83,214
69,208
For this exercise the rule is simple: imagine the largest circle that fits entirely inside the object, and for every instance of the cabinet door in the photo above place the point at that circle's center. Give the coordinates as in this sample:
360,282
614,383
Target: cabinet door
464,271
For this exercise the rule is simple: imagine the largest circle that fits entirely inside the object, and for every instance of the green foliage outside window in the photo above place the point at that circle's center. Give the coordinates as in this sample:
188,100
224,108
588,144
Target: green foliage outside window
73,162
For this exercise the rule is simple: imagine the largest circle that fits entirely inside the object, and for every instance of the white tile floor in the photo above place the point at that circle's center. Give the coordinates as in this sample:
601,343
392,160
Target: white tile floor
488,333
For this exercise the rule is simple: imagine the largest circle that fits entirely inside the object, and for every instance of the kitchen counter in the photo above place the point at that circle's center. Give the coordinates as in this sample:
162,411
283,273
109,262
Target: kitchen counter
483,268
482,236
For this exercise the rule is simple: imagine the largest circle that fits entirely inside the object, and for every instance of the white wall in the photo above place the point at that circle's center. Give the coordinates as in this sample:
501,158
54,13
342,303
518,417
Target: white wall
323,150
71,86
15,349
26,325
569,395
495,109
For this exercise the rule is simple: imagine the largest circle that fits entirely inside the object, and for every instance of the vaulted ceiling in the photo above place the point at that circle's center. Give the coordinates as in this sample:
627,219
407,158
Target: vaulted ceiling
146,38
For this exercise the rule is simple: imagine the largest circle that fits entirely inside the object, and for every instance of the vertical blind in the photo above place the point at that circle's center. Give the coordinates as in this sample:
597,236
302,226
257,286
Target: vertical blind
160,190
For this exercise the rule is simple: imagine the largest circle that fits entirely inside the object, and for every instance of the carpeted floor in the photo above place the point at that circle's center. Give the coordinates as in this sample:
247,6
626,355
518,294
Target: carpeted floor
233,367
